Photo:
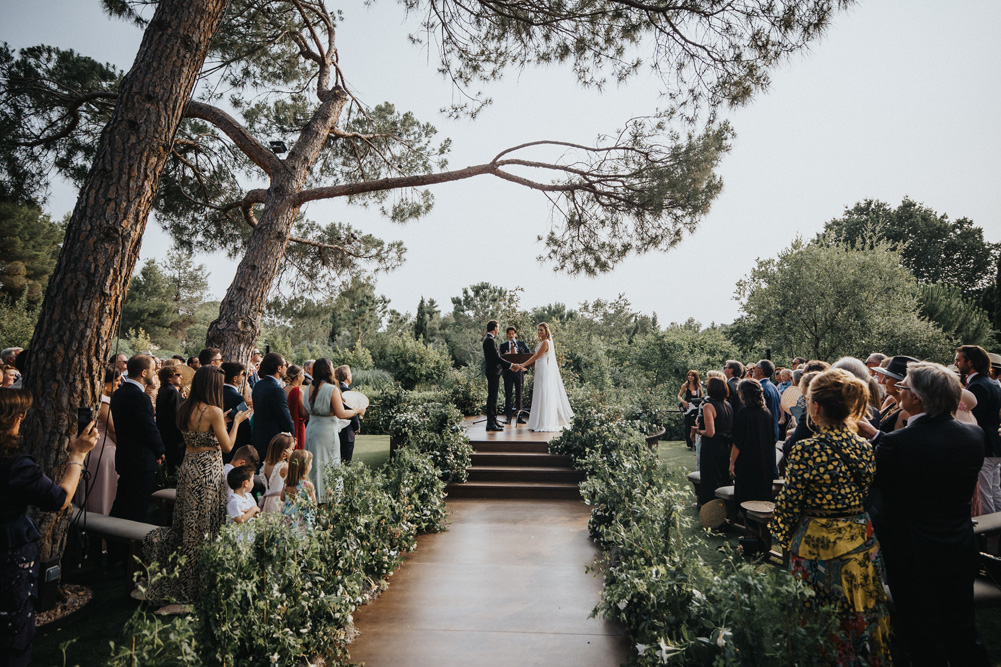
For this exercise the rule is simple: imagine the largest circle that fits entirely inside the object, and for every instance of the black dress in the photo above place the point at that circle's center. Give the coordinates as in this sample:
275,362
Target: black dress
752,435
714,455
691,415
22,483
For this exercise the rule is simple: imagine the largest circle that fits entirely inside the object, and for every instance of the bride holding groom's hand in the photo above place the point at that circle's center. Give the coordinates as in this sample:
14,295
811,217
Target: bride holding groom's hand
550,407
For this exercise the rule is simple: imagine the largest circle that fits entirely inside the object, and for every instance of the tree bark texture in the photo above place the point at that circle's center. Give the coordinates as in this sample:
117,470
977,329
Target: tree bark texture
83,302
238,326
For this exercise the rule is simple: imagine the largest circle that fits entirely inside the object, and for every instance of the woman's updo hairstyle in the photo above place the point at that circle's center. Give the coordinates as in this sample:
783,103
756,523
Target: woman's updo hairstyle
844,398
751,394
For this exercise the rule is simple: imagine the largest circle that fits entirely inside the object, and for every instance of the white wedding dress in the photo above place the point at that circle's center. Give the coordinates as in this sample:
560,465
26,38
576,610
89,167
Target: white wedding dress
550,407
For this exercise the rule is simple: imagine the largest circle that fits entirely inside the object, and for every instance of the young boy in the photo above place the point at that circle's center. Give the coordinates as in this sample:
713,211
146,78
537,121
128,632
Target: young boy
244,456
241,506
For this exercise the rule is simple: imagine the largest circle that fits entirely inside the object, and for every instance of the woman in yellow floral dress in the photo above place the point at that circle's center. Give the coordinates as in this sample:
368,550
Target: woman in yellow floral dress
820,523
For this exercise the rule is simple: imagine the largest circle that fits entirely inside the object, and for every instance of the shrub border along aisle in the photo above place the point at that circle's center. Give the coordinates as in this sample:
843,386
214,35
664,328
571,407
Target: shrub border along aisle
281,589
673,605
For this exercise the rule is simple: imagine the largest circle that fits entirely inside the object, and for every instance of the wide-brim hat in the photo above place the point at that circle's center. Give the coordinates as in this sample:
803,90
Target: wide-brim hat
897,368
995,359
187,373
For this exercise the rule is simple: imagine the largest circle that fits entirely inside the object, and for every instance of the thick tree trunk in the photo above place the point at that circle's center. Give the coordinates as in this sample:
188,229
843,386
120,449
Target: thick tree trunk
238,327
83,301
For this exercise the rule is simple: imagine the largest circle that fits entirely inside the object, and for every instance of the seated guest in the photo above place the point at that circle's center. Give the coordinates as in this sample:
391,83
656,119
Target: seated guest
752,456
241,506
926,474
168,401
820,524
23,485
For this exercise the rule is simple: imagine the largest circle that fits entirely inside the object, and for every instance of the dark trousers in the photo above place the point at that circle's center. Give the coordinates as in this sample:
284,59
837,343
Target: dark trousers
18,583
347,437
933,604
493,385
515,381
134,491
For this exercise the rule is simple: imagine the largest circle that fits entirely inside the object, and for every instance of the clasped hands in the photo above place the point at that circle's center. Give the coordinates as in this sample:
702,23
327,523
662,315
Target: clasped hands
517,368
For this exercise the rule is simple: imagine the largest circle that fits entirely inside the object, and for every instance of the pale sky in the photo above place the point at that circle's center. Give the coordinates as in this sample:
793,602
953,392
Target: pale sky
900,98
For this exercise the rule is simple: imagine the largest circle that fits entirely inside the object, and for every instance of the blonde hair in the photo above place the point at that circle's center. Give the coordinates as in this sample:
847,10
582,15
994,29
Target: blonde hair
843,397
549,334
298,463
715,374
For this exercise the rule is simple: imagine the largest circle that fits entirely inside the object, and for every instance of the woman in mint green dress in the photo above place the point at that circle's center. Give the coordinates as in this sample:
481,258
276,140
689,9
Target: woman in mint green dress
327,416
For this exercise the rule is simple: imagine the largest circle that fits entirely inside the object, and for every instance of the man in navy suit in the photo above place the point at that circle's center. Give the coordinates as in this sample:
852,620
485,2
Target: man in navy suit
514,381
762,372
493,364
925,475
973,362
140,449
347,434
271,413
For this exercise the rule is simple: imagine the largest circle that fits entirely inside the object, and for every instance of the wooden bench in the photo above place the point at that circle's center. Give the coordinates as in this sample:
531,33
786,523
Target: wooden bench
987,528
696,479
757,527
725,493
113,529
164,500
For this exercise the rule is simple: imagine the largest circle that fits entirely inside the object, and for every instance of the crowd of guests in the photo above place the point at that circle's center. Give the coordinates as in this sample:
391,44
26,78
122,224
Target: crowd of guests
240,440
885,463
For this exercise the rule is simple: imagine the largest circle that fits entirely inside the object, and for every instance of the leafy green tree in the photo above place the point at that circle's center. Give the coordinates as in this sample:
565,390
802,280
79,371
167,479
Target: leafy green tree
357,314
18,318
961,319
933,247
189,289
825,300
634,190
421,322
30,243
149,305
666,356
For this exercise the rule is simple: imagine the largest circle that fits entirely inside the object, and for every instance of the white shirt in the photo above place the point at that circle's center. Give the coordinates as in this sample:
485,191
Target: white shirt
914,418
225,478
237,505
142,387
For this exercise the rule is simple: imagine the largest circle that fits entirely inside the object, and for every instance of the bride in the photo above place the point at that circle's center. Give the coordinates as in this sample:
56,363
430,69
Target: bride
550,407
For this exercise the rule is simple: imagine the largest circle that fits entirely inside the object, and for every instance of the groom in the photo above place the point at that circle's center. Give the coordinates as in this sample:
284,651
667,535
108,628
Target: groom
493,365
514,381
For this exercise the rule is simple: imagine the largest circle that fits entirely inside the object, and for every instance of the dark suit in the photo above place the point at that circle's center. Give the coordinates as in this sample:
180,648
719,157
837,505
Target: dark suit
733,398
231,397
347,434
492,367
513,380
168,401
139,448
926,474
988,394
271,414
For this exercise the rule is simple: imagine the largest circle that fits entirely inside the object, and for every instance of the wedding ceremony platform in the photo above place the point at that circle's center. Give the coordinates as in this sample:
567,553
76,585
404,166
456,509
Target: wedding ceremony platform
504,585
515,463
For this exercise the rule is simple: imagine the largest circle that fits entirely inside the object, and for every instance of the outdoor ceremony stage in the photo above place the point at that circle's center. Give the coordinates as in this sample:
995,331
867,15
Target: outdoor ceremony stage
515,463
504,585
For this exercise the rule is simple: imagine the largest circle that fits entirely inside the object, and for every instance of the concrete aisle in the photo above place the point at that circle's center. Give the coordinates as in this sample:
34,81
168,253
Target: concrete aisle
503,586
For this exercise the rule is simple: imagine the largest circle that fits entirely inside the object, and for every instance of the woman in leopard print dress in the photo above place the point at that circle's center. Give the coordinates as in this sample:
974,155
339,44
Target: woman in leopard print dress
200,507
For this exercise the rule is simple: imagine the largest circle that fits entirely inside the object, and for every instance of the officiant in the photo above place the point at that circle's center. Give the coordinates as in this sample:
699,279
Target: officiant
514,381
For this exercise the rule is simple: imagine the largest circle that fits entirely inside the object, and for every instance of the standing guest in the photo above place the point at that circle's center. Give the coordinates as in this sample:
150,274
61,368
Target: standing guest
797,362
297,482
514,381
819,521
275,470
307,371
139,446
23,484
122,363
874,361
254,373
714,456
240,505
210,356
233,401
763,371
168,402
99,494
857,368
973,362
194,363
270,404
242,456
927,536
9,355
995,366
732,371
200,507
10,376
327,416
687,395
347,435
752,456
892,415
179,358
293,390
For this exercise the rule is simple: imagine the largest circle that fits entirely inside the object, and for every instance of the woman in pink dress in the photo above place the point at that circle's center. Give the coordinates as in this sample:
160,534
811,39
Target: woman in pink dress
102,484
294,377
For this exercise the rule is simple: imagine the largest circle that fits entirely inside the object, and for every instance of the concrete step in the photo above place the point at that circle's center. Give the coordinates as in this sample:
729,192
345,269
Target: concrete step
529,459
487,446
537,490
524,474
